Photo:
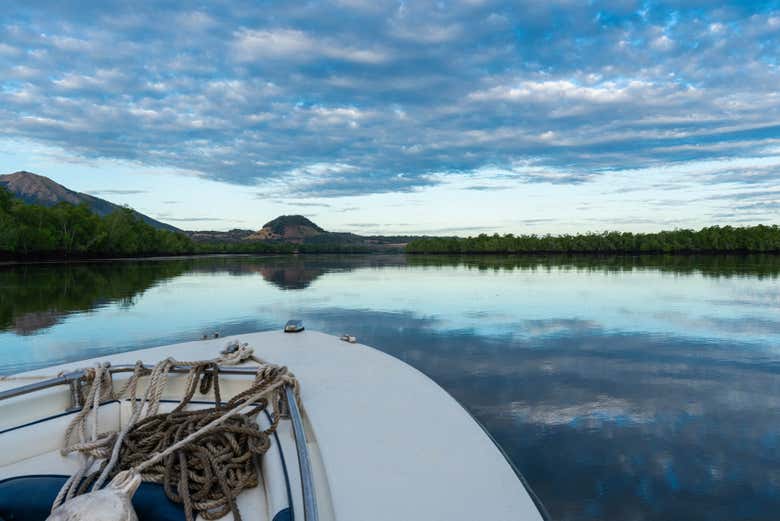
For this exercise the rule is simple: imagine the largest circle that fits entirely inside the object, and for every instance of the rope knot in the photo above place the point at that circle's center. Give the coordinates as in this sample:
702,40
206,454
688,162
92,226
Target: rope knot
236,353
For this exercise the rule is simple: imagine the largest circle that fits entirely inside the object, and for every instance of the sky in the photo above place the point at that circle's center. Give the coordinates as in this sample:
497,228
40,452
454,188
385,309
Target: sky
401,117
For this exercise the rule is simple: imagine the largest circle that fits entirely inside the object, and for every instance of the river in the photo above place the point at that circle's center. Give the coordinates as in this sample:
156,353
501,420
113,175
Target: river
641,388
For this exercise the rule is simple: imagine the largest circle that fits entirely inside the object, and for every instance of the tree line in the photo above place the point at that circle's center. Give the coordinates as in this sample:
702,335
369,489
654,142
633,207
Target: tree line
75,231
66,230
713,239
69,231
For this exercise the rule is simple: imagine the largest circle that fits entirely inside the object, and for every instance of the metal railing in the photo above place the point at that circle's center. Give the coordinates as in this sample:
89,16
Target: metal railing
304,463
75,379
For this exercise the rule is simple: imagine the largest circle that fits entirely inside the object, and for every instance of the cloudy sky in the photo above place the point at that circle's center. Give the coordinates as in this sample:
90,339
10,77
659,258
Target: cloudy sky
401,117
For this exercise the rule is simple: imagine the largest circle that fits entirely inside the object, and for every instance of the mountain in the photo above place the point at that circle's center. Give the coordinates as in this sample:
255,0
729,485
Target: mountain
297,229
285,228
37,189
288,228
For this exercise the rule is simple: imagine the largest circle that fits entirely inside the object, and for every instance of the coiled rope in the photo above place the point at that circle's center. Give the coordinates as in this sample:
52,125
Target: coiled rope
203,458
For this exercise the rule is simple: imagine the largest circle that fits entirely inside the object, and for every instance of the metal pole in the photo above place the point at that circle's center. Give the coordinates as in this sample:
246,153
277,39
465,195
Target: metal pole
75,376
43,384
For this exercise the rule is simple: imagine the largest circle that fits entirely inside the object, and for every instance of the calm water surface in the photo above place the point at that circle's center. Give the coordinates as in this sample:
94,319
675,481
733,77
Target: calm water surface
622,388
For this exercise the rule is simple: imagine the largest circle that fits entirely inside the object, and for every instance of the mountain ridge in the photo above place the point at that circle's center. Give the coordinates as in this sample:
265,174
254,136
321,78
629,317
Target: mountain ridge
37,189
291,229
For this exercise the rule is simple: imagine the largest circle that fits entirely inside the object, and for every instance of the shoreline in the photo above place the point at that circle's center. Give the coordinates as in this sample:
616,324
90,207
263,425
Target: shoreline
95,260
541,254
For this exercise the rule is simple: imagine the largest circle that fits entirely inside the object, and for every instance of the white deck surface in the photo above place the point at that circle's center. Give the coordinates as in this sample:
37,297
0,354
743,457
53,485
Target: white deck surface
394,445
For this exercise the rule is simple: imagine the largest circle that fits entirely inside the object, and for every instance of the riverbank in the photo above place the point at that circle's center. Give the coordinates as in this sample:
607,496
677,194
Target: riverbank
493,260
713,239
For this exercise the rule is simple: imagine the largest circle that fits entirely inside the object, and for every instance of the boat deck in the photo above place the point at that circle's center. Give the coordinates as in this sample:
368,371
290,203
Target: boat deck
387,443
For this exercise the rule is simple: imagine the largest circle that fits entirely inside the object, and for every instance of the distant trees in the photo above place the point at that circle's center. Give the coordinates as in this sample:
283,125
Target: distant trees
754,239
68,231
65,230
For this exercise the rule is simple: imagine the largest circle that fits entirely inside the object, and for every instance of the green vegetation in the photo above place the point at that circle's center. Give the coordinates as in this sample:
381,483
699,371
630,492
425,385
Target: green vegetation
715,239
65,230
69,231
36,296
281,223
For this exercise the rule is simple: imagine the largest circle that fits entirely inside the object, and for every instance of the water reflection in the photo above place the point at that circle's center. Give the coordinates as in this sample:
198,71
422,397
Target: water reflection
38,296
760,266
610,425
623,388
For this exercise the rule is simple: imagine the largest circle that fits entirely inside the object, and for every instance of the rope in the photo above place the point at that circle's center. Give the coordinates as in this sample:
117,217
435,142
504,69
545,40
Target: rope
203,458
89,446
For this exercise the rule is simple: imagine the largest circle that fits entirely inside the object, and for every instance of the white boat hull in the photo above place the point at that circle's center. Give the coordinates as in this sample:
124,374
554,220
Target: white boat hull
385,441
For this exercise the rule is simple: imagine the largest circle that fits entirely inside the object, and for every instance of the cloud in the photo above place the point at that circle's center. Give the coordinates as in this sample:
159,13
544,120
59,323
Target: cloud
454,230
193,219
364,225
117,192
305,205
555,91
279,43
290,44
349,98
485,188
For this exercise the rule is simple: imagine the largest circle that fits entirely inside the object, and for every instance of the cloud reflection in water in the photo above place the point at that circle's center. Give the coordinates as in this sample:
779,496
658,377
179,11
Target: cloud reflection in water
633,389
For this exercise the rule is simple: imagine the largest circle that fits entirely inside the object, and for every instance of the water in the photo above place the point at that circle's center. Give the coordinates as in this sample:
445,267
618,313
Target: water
622,388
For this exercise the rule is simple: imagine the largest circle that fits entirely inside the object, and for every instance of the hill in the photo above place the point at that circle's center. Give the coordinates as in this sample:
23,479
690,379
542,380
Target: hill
37,189
288,228
305,235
